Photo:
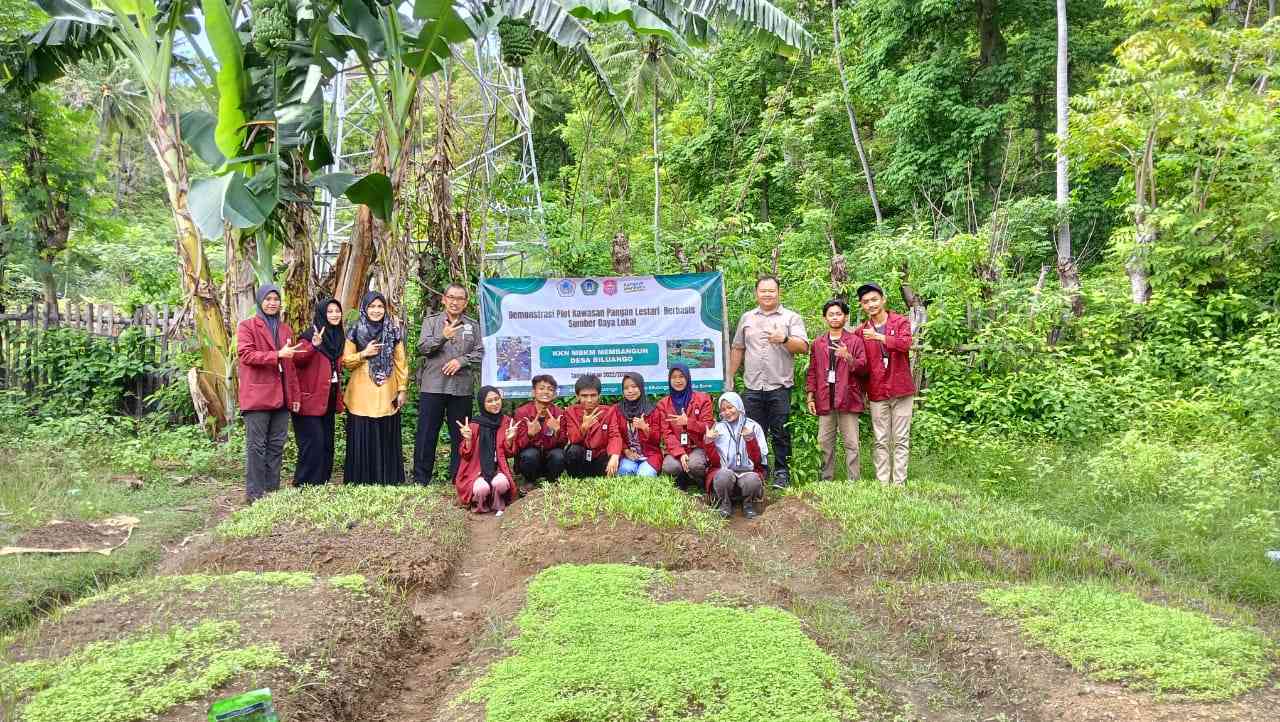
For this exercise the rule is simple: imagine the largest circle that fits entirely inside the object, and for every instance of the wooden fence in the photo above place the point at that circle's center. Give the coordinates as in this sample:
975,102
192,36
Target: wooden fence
165,332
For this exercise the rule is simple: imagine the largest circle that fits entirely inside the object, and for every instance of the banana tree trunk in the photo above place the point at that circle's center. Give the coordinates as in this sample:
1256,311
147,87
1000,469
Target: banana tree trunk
193,268
350,275
657,187
853,119
238,289
299,281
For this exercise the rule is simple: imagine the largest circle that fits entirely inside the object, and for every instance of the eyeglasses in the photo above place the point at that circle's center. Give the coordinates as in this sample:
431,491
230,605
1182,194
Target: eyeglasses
455,298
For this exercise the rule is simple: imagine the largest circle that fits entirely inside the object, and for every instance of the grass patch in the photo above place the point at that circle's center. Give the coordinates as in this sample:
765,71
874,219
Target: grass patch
652,501
136,677
43,482
202,583
593,647
1115,636
401,510
939,531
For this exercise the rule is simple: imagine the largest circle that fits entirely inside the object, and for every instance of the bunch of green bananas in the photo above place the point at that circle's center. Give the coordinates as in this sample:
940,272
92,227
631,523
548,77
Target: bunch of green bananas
516,36
272,27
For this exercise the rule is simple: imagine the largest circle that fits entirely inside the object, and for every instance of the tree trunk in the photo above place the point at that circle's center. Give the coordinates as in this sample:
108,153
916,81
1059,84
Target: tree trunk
350,274
4,248
1068,273
193,269
239,286
1145,232
621,254
918,315
657,187
853,119
299,280
991,43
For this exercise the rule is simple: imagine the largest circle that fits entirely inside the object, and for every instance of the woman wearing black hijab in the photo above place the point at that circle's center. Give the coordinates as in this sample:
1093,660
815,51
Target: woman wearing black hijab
374,354
484,481
319,364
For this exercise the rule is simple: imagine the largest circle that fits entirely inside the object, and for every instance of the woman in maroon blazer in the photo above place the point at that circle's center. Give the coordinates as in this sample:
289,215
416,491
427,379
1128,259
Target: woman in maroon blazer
268,391
319,364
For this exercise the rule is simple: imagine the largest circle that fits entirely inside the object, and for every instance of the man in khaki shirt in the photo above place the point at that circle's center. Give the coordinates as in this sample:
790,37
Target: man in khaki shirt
767,339
449,350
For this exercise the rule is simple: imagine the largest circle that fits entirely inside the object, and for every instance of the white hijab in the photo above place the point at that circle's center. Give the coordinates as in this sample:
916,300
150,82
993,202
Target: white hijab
731,441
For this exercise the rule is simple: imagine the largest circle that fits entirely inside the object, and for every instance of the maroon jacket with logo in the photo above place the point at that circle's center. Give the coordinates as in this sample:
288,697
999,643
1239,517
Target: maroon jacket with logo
259,368
528,412
892,381
700,419
848,375
314,372
604,437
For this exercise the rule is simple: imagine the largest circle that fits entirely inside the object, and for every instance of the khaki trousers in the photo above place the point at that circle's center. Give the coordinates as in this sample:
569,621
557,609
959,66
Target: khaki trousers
847,423
891,423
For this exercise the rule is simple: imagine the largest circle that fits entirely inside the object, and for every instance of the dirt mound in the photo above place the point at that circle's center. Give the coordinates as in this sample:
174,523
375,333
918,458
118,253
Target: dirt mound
404,560
534,541
341,642
75,536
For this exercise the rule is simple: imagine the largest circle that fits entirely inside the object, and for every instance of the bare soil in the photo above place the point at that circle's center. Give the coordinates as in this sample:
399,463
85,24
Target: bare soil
73,534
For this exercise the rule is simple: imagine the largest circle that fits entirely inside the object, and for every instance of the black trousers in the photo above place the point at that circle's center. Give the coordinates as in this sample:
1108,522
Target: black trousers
533,464
575,462
433,411
771,409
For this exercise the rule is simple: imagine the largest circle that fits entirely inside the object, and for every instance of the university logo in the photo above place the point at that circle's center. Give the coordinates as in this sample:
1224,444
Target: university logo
590,287
566,287
610,287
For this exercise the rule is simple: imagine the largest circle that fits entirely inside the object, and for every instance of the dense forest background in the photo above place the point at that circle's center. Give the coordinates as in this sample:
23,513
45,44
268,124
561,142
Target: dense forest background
1155,381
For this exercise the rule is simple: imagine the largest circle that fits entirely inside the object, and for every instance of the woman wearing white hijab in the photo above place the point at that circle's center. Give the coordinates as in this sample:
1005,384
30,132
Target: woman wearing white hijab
739,454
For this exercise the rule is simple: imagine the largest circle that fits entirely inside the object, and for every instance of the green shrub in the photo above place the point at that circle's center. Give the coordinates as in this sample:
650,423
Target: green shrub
653,501
1116,636
410,510
594,647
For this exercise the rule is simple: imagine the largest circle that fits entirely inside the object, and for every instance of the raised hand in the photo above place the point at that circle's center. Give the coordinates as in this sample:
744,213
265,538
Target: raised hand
870,333
553,424
465,428
511,429
532,426
373,349
640,425
777,335
589,418
842,351
682,420
288,351
712,433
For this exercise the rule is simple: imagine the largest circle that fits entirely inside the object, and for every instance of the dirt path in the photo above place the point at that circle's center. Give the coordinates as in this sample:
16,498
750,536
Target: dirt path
483,593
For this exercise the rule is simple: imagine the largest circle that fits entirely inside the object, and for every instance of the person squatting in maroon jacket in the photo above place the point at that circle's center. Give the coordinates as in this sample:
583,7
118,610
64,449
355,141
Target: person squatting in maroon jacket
540,443
269,390
890,389
319,366
595,441
834,388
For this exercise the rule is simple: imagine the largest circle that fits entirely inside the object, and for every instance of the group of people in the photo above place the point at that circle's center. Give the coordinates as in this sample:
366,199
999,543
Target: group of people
678,435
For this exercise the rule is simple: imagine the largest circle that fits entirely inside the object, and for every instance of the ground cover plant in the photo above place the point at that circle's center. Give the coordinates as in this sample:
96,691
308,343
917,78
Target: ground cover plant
594,646
1115,636
940,531
88,469
408,535
652,501
163,647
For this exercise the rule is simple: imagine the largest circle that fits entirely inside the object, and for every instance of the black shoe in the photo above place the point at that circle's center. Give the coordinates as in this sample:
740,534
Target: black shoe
781,479
748,510
726,507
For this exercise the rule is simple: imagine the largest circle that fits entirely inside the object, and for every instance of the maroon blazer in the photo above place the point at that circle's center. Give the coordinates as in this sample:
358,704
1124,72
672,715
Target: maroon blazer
891,380
314,375
469,463
604,437
848,381
543,440
700,419
259,368
651,442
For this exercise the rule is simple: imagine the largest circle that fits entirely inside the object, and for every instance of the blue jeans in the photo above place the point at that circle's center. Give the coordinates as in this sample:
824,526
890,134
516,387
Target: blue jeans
627,467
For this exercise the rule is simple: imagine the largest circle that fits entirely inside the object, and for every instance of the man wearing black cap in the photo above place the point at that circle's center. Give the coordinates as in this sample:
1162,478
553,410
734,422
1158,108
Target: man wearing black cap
890,389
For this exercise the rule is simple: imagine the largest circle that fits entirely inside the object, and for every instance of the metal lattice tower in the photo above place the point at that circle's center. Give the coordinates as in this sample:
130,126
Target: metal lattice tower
495,177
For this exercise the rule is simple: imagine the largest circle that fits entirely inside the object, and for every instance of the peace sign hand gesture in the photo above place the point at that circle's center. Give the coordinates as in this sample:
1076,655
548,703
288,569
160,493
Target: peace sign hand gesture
553,424
465,427
451,328
842,351
288,351
511,429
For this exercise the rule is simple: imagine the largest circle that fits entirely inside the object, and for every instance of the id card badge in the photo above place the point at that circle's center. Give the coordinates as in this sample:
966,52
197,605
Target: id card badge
684,438
334,378
885,361
831,376
589,453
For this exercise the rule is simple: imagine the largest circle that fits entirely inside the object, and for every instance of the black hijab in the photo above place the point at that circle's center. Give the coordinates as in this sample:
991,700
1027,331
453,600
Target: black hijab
385,332
273,320
488,440
641,406
331,338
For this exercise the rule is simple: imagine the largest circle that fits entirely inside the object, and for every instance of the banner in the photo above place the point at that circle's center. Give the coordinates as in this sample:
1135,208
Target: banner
568,327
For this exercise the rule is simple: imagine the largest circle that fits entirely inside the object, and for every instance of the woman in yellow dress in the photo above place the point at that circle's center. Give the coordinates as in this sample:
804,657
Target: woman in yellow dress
374,354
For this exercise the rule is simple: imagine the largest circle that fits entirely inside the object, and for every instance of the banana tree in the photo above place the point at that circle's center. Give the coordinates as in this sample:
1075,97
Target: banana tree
143,32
